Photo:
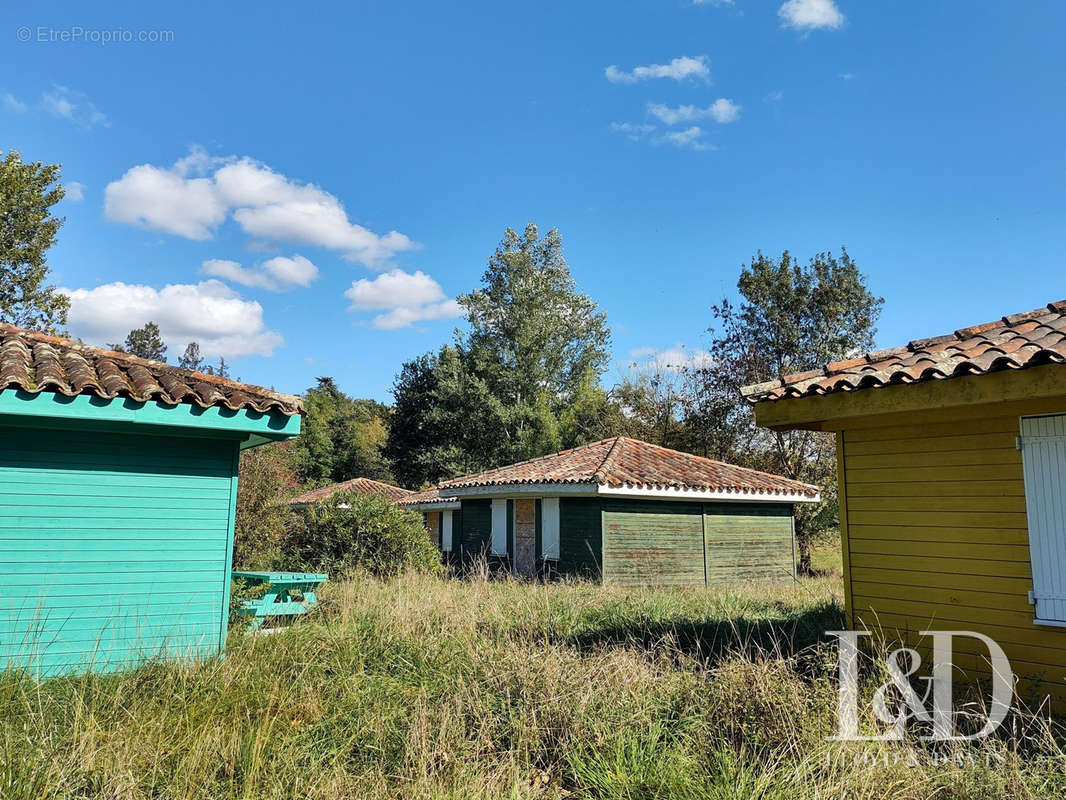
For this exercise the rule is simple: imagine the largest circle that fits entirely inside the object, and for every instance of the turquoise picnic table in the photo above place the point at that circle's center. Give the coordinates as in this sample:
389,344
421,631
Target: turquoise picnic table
289,594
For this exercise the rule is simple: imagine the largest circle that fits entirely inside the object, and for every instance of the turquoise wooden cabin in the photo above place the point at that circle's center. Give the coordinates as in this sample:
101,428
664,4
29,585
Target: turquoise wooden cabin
118,488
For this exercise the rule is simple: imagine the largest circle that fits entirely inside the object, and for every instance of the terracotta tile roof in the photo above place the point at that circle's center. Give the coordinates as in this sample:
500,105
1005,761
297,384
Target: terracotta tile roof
625,462
357,485
35,362
426,497
1015,342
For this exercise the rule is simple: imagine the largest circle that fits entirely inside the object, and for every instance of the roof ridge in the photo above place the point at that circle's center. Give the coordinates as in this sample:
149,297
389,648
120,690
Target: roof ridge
600,475
533,460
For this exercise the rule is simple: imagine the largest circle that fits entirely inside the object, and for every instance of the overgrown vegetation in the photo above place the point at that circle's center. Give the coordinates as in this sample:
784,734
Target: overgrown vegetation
424,688
355,532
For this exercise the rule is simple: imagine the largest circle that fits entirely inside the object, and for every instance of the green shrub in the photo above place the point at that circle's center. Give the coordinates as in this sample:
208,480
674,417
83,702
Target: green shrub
239,591
354,532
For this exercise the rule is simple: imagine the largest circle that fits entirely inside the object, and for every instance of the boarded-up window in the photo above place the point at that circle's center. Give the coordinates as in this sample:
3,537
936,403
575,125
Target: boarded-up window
499,527
446,532
1043,446
549,528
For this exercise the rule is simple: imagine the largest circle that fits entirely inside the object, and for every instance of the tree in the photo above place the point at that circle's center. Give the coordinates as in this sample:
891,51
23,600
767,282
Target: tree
191,358
534,338
791,318
146,343
27,230
266,478
445,421
341,438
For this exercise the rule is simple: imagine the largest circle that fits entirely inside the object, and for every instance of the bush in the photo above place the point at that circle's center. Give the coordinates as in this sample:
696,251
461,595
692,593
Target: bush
239,591
357,532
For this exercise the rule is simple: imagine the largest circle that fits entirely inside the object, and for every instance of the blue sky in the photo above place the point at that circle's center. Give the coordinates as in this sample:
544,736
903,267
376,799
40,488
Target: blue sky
315,185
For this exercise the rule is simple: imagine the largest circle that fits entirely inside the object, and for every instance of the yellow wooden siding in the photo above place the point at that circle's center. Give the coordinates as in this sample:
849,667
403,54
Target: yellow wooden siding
936,534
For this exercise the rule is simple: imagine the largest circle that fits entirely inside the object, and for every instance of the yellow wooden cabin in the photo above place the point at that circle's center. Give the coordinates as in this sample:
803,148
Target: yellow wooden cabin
952,467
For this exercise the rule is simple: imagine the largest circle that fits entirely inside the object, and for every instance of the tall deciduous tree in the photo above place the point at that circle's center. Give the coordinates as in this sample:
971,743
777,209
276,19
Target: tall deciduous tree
146,342
28,191
791,318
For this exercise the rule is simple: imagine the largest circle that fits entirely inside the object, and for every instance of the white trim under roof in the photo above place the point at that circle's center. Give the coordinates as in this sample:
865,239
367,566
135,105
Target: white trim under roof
451,504
628,490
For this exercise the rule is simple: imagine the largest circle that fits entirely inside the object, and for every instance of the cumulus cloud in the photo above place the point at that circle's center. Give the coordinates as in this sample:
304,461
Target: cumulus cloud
404,297
808,15
210,313
679,69
672,359
275,274
68,104
75,191
198,193
689,139
632,130
723,110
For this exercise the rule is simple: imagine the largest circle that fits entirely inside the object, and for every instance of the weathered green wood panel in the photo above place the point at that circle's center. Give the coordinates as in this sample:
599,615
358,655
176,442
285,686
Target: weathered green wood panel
113,547
653,543
580,537
476,521
748,542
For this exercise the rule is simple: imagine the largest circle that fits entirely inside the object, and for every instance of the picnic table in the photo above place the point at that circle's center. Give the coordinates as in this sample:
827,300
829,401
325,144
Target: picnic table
289,594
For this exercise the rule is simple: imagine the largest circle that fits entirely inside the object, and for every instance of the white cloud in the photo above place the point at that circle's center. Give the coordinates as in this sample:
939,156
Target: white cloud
75,191
672,359
631,130
810,14
275,274
679,69
405,298
12,103
775,96
209,313
847,76
712,2
688,139
74,106
264,203
723,110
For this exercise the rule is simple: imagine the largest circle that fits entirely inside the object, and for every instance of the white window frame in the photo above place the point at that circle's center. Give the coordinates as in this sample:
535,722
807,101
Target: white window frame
549,528
498,546
446,531
1047,557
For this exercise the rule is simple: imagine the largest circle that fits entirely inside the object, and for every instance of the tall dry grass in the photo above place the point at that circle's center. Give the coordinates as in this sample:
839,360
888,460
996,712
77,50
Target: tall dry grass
426,688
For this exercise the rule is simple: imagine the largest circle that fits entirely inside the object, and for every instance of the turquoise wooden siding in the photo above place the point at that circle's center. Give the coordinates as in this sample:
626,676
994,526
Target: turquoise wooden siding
114,547
580,537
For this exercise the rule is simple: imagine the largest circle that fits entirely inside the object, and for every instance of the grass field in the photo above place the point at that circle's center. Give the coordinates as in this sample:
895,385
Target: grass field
426,688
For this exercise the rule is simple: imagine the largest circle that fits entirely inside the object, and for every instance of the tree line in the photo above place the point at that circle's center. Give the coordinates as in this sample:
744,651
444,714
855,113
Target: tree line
525,376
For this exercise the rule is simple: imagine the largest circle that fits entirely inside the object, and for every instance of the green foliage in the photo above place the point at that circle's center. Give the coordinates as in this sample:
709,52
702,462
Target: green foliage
239,591
341,437
791,318
353,532
27,230
266,479
191,358
146,342
521,383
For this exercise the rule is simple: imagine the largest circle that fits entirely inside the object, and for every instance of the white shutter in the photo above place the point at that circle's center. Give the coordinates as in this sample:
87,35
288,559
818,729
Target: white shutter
549,528
1043,445
446,531
499,527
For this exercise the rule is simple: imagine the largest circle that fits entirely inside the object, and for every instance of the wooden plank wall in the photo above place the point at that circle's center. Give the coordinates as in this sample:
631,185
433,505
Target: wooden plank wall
580,537
748,542
113,547
936,530
476,529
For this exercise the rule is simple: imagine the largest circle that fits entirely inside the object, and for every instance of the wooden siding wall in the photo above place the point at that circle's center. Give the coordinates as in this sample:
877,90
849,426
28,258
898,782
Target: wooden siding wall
935,532
476,527
580,537
651,542
113,547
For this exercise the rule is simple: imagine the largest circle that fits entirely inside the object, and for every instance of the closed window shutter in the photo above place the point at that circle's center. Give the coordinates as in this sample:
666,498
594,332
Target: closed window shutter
499,527
1043,445
446,532
549,528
